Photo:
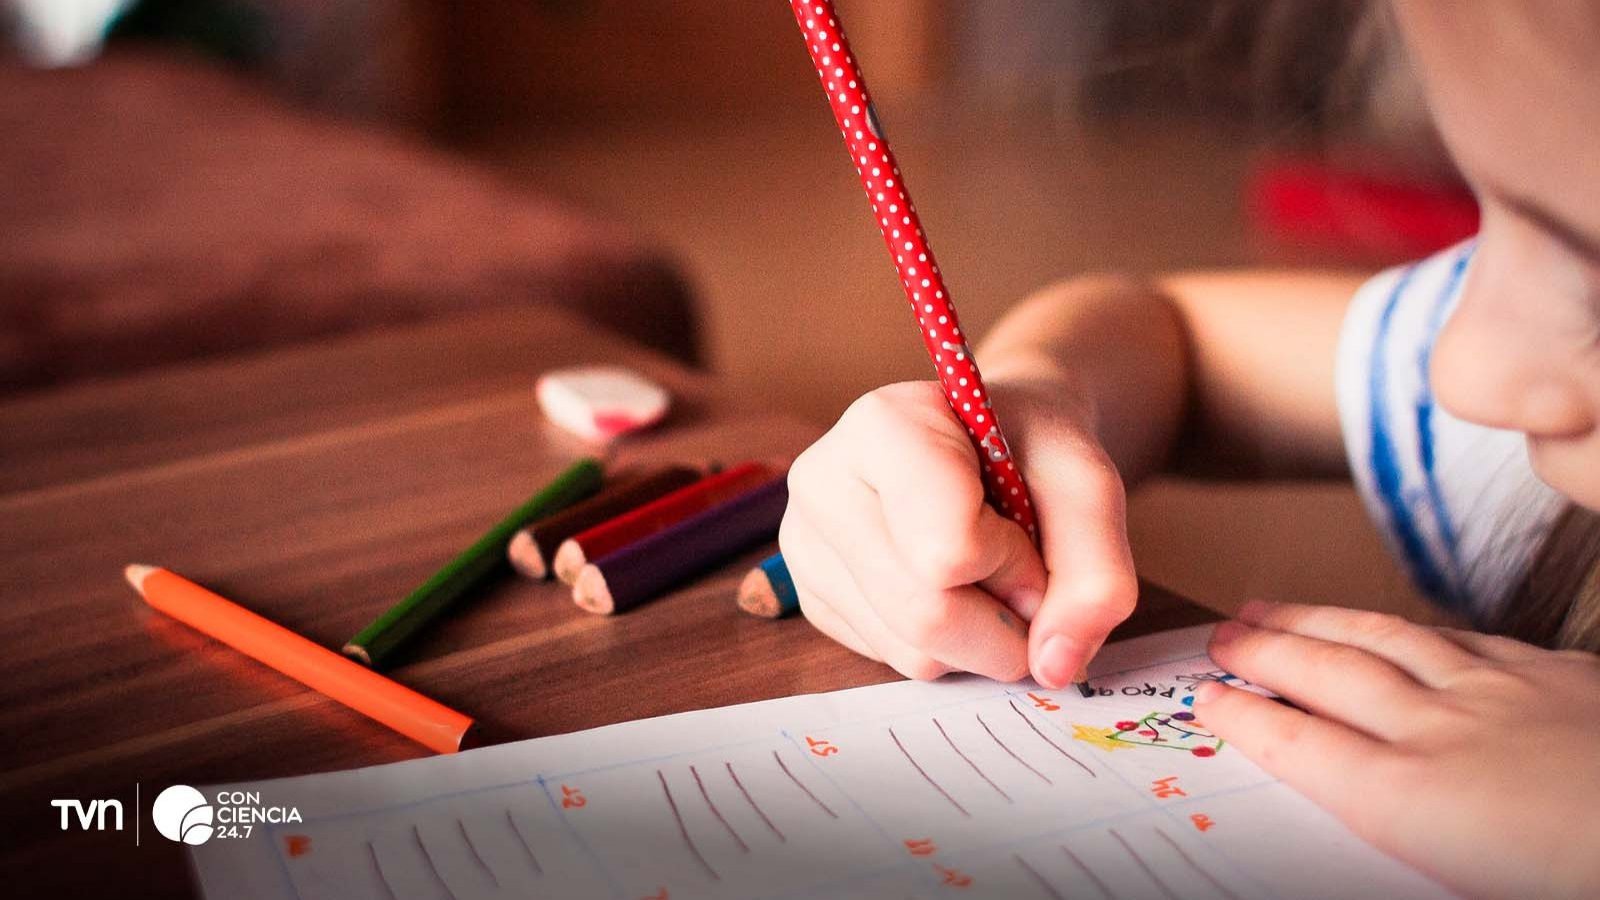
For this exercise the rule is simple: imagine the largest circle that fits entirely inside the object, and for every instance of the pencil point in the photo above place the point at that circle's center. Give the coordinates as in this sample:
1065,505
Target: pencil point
590,593
1084,689
136,573
523,552
757,597
359,654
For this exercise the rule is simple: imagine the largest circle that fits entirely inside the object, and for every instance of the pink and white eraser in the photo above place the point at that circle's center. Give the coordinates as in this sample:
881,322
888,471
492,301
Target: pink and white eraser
598,403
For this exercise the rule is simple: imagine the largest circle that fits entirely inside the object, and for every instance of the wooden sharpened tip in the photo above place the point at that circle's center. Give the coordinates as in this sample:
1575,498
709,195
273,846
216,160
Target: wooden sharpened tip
523,552
136,573
590,592
757,597
569,562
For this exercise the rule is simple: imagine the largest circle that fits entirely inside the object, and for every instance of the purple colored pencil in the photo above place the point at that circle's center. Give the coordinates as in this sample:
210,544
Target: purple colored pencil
635,574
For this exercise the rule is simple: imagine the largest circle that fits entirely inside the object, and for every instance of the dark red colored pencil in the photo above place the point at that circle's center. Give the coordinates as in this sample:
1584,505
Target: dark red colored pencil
664,512
636,573
532,549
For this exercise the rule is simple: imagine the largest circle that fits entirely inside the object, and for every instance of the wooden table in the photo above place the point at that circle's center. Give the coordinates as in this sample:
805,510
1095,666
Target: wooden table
316,485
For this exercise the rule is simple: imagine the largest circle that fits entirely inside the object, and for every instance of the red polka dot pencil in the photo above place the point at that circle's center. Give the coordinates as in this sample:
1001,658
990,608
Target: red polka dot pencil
840,72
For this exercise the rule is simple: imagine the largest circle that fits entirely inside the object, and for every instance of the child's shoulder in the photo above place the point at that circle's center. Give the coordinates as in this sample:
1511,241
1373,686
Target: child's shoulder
1458,503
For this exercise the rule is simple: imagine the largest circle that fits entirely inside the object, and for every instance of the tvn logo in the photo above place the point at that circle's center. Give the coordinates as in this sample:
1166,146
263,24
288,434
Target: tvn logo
91,815
180,813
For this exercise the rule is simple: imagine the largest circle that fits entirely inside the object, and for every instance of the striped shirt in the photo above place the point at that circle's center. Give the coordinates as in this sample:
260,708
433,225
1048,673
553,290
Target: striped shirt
1457,503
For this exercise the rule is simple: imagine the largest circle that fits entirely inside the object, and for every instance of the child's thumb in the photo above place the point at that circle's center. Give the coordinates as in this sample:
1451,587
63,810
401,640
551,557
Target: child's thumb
1091,586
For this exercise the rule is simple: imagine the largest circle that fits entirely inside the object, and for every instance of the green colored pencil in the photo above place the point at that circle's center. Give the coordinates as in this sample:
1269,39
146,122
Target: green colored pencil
486,558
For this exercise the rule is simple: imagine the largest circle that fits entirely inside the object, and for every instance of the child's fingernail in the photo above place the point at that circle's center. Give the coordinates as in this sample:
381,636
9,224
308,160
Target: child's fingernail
1059,660
1208,691
1228,631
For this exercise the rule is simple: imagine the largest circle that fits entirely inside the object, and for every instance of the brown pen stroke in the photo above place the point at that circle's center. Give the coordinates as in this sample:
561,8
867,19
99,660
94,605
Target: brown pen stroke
1038,879
968,760
1195,865
710,804
925,776
377,867
471,848
752,801
1084,867
1143,865
801,785
523,839
1043,737
683,829
1012,753
433,867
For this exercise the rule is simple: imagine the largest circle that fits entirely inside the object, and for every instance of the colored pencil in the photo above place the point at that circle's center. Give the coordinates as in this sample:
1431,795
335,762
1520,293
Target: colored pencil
426,721
532,550
768,591
897,218
609,537
639,572
378,643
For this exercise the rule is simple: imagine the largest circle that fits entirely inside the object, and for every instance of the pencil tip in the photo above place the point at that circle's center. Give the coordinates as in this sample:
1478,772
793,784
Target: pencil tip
136,573
1084,689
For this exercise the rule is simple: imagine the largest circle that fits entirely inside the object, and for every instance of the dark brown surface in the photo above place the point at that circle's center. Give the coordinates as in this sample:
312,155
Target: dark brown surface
315,485
158,208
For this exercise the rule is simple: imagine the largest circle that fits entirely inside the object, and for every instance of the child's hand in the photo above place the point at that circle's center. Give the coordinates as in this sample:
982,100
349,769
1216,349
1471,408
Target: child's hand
1471,757
896,555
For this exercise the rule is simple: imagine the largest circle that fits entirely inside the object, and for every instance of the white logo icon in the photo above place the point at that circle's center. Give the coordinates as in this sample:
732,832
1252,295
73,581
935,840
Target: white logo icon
182,814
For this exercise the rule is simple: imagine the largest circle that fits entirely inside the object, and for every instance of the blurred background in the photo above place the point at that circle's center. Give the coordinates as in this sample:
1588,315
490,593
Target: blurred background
189,178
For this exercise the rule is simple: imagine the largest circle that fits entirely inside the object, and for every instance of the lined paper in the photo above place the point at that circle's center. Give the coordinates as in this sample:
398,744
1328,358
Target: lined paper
963,787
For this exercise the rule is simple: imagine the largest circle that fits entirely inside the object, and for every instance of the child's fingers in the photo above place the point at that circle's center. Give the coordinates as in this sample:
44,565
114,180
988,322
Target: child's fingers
1422,652
1490,646
963,627
818,574
1092,586
1340,681
833,603
925,474
1332,765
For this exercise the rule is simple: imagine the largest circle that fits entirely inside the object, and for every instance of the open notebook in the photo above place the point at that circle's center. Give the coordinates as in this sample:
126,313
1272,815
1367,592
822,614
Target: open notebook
964,787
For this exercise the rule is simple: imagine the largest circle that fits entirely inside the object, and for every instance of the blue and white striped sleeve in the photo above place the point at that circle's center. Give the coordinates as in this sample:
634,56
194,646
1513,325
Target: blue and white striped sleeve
1457,503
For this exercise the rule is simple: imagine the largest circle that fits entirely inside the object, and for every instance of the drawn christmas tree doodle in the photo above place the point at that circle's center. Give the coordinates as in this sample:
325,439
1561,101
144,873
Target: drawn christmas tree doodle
1171,731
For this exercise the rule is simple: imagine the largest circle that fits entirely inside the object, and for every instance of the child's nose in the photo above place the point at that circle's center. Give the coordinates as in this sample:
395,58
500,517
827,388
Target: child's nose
1500,372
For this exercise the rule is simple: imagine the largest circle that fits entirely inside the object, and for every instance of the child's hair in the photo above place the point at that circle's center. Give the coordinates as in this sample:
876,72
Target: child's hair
1558,602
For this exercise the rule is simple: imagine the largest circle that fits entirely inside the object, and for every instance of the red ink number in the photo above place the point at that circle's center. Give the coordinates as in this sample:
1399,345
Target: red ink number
922,847
952,877
821,748
1167,787
1044,703
296,845
1202,822
572,798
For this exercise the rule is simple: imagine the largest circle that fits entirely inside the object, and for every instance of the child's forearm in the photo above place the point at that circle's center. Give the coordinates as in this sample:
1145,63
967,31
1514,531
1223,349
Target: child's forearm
1228,373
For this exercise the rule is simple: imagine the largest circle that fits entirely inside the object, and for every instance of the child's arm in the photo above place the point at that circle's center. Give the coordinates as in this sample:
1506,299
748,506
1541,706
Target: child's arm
1227,373
894,552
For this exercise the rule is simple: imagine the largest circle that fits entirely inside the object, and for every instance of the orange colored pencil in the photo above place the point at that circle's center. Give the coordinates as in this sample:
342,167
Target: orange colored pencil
426,721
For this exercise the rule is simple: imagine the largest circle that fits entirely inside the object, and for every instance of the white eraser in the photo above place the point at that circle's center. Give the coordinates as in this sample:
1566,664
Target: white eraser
598,403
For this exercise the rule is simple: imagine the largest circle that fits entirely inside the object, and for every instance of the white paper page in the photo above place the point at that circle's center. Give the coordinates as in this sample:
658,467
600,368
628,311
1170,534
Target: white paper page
964,787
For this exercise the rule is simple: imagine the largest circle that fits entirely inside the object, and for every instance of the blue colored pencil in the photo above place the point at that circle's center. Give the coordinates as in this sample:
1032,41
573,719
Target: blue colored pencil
768,591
